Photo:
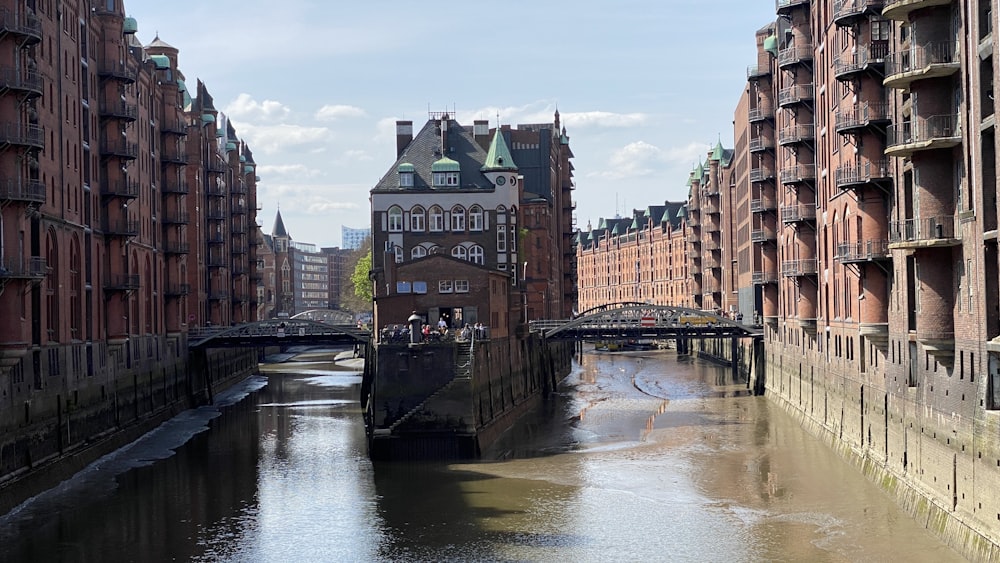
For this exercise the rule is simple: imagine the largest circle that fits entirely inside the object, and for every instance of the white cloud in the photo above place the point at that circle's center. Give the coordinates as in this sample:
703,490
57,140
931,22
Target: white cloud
334,112
270,139
603,119
643,159
244,107
318,207
286,171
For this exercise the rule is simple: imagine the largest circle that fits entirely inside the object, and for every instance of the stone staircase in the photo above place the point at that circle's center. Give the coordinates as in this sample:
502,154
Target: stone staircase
463,373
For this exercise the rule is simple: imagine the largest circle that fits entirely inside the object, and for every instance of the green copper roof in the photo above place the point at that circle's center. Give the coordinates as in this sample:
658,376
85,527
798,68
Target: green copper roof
247,168
498,158
207,118
717,152
161,61
682,212
181,86
771,45
699,172
446,165
406,167
130,26
230,146
243,158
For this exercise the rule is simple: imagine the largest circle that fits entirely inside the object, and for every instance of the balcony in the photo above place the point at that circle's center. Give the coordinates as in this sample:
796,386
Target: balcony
853,176
215,190
763,278
216,214
216,262
761,174
129,228
119,109
26,82
849,12
238,188
784,7
797,94
215,238
858,118
238,209
760,113
712,245
935,132
173,154
763,234
870,58
177,248
795,55
32,268
173,127
218,295
761,143
797,268
174,186
763,204
921,62
120,148
931,232
122,282
116,70
238,227
22,190
175,218
26,27
31,136
798,174
125,189
862,252
798,213
177,289
795,134
758,71
900,9
215,166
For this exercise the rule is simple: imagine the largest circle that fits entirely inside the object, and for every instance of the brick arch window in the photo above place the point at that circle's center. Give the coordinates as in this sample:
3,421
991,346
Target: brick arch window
435,219
458,218
417,216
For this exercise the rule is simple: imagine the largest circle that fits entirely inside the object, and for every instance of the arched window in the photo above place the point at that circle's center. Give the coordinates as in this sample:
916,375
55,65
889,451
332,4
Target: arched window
418,252
460,253
417,219
475,218
398,251
436,219
395,219
476,255
457,218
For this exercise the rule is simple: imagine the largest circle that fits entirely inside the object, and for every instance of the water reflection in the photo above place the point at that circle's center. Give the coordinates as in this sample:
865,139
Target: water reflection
638,457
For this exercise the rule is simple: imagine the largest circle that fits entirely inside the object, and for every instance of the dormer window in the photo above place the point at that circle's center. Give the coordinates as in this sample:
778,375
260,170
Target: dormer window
446,173
406,173
445,179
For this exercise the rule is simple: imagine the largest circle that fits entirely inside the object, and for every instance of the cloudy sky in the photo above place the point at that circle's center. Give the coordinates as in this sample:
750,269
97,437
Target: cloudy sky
316,86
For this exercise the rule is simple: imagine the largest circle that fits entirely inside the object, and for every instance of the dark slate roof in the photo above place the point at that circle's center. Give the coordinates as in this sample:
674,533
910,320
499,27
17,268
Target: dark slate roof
279,227
655,213
425,149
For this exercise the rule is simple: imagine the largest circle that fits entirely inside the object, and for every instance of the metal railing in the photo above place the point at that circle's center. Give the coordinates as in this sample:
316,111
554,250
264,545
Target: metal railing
924,229
918,58
803,267
933,128
863,251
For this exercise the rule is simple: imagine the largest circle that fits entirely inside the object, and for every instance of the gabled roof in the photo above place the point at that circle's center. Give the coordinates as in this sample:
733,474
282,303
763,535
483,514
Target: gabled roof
426,149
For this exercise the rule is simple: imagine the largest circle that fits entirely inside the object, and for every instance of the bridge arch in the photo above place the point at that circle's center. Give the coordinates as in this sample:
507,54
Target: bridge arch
276,332
642,319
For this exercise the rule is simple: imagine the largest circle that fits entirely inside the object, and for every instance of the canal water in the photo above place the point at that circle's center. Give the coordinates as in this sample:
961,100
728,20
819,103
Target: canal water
640,457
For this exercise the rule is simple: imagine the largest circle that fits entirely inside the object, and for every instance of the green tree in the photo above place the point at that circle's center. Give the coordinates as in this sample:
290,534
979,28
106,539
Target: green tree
356,295
362,284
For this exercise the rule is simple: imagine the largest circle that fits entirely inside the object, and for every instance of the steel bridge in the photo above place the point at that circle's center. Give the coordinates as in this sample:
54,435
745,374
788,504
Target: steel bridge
276,332
632,320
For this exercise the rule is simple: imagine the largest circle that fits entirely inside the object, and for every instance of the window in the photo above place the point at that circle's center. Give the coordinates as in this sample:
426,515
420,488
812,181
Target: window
457,218
436,219
398,251
406,179
417,219
403,287
460,252
501,238
476,255
419,287
461,286
444,286
418,252
395,219
475,218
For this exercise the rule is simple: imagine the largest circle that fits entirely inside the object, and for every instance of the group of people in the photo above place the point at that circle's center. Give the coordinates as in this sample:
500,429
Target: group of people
401,333
477,331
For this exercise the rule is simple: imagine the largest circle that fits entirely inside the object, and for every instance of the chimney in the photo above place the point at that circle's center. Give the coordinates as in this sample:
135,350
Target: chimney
445,149
404,134
481,131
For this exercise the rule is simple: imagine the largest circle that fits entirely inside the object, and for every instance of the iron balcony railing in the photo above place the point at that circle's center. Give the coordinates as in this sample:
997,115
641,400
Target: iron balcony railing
177,289
846,11
784,6
122,188
796,94
173,127
177,248
758,71
798,173
174,186
802,267
763,234
17,189
936,131
122,282
867,57
760,113
32,267
863,251
761,278
22,135
120,109
796,134
940,228
761,143
797,213
123,228
761,174
851,175
176,218
118,70
21,23
921,61
796,54
172,154
861,116
120,148
762,204
27,81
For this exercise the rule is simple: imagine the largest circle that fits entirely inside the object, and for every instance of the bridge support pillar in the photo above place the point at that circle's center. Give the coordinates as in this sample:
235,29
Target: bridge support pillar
734,354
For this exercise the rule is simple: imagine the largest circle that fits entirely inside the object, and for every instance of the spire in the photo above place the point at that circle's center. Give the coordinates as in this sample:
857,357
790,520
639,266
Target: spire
498,158
279,227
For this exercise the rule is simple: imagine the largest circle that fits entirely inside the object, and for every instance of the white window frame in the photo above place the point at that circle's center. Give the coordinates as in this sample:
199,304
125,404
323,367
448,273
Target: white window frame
461,286
398,251
439,179
460,252
451,179
458,219
477,255
501,238
406,179
435,218
418,252
475,218
445,286
417,216
395,219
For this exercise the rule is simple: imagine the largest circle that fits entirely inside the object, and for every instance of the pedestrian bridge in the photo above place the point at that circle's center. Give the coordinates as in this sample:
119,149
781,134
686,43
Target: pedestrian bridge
631,320
276,332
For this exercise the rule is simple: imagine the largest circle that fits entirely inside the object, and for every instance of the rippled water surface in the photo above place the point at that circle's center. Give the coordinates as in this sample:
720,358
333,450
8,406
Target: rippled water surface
641,457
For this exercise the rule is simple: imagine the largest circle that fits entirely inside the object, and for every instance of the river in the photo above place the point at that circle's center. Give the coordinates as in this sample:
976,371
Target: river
640,457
